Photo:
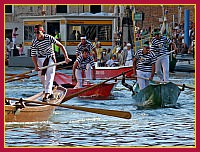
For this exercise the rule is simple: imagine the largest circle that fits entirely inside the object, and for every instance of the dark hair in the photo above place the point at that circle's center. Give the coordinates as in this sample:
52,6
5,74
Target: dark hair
85,50
38,26
146,42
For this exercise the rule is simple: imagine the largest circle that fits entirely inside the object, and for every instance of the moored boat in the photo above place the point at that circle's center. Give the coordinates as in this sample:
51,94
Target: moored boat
30,112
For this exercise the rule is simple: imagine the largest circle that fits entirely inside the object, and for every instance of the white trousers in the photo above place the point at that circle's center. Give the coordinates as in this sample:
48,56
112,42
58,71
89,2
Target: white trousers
79,78
48,78
14,41
88,72
143,82
162,68
129,63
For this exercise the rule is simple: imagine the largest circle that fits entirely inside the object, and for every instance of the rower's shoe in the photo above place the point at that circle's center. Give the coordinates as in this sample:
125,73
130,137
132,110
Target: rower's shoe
51,96
45,99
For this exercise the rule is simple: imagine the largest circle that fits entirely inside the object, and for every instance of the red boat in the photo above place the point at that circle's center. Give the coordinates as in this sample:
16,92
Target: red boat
102,91
108,72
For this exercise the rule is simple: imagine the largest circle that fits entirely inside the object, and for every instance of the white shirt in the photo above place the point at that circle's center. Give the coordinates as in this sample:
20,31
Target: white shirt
129,55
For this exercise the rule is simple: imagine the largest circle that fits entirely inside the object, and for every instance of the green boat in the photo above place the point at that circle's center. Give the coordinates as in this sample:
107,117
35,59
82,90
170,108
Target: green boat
155,95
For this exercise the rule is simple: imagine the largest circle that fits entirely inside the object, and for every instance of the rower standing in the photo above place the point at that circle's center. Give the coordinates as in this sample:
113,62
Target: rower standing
144,65
43,55
79,67
160,47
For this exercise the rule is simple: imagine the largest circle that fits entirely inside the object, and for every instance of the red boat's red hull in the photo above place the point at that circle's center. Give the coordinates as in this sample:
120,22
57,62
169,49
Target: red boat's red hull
102,91
108,72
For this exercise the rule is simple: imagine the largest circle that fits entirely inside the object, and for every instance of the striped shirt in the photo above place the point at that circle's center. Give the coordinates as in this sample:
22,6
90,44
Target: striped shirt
43,47
87,45
144,61
160,46
83,62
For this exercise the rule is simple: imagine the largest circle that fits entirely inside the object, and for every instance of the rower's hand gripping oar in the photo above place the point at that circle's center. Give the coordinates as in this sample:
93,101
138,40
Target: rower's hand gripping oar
42,68
114,113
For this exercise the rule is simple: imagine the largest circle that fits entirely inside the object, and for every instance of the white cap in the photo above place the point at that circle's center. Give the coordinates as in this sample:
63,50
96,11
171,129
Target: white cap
83,37
128,44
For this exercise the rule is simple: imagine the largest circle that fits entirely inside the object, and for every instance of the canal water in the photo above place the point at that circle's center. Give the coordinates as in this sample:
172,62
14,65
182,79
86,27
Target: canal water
167,127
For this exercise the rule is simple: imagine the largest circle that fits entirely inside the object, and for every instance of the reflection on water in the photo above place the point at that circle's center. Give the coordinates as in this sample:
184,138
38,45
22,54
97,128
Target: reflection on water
159,127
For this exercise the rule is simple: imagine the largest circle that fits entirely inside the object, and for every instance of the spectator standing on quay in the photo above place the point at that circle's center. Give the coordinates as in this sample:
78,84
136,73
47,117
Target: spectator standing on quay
43,55
128,55
99,50
14,36
86,44
79,67
120,57
55,47
109,53
160,47
144,65
105,57
8,45
96,40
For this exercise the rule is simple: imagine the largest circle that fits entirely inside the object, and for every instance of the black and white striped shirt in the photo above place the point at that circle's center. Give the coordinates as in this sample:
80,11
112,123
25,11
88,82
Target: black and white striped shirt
160,46
43,47
83,62
87,45
144,61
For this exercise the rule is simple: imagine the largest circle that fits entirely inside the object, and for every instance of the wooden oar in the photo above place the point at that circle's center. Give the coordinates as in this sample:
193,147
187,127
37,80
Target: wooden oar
181,85
22,78
166,54
28,76
114,113
96,85
31,71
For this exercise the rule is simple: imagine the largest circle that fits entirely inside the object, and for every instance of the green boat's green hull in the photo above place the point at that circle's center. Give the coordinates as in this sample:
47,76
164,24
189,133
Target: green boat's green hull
158,96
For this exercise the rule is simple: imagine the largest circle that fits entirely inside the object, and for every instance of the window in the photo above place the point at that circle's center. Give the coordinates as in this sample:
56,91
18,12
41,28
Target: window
95,9
8,34
103,32
8,9
61,8
28,33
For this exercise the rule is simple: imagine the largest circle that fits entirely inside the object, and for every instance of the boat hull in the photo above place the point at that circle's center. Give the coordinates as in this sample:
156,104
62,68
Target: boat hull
33,112
158,96
100,92
109,72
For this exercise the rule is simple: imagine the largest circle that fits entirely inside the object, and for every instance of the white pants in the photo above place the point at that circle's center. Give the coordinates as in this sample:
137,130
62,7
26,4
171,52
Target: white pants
79,78
48,78
143,82
129,63
88,72
162,68
14,41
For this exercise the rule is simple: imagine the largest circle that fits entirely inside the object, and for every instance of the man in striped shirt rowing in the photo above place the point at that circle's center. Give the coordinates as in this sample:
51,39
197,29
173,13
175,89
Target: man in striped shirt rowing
43,55
79,67
144,65
160,46
91,48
